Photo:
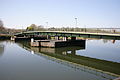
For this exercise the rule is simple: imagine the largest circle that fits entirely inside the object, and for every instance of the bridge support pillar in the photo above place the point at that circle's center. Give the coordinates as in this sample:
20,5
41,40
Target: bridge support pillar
65,38
48,37
73,52
56,37
32,40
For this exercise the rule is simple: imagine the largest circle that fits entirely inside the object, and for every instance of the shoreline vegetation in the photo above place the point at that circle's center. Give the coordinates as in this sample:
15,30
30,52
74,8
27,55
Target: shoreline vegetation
34,27
5,36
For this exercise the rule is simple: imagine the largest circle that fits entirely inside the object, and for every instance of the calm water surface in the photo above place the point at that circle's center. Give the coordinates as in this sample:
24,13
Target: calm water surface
18,62
102,49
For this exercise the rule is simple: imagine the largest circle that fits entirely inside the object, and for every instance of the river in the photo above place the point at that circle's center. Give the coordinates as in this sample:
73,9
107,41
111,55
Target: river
99,59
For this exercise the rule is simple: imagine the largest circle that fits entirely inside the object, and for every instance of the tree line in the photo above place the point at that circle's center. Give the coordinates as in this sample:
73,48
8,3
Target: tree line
4,30
34,27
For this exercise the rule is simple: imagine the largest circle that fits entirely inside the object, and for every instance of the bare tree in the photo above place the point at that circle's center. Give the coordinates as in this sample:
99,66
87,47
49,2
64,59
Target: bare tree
1,26
1,23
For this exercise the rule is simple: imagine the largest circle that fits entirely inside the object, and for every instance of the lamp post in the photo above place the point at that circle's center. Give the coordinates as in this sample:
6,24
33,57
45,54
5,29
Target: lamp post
75,22
22,30
46,25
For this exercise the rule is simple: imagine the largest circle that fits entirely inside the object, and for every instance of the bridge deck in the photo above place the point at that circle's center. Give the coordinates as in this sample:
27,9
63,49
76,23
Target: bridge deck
91,33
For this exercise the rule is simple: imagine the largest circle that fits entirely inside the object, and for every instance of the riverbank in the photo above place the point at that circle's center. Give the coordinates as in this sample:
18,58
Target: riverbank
5,37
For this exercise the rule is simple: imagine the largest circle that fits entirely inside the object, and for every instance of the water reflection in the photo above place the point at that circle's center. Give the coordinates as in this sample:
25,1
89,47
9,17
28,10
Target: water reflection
80,67
106,41
1,49
62,51
69,54
42,61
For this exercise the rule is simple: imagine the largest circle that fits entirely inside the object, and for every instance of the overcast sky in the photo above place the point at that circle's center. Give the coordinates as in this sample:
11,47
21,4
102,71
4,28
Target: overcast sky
60,13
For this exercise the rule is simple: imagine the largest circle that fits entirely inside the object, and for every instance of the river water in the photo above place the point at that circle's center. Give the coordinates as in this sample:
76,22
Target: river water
19,61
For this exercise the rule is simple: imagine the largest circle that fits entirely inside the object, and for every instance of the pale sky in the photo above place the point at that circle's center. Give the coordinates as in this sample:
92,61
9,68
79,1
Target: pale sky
60,13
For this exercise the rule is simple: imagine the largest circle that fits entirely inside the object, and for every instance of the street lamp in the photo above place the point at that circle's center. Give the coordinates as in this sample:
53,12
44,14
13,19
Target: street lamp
46,25
76,22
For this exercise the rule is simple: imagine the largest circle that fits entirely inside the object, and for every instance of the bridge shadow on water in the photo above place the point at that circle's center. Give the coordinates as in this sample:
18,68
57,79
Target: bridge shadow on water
67,56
